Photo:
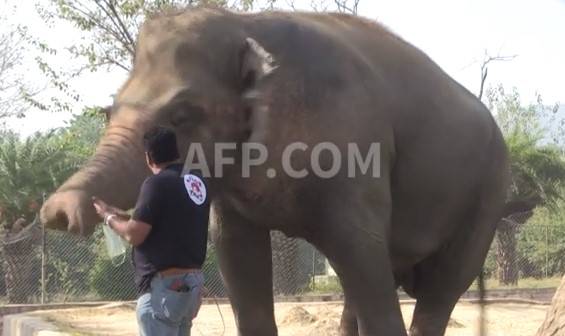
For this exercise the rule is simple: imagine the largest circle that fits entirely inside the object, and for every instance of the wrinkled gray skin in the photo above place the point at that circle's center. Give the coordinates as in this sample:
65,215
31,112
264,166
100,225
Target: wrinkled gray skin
276,78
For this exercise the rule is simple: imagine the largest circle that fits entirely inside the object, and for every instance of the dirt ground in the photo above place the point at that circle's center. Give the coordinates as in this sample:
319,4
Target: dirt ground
301,319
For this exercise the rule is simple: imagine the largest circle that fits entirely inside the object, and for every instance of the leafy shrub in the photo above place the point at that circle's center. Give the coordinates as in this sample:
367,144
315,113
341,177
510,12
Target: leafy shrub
112,282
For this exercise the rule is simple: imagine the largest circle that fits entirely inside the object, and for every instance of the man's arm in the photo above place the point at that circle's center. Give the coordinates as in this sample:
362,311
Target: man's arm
133,231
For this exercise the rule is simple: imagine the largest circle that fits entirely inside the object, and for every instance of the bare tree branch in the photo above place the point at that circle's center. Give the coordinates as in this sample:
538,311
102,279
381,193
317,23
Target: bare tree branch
110,14
322,6
121,24
484,68
104,27
291,4
343,6
13,88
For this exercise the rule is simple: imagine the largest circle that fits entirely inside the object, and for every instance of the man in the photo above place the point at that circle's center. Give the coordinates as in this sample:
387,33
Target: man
168,230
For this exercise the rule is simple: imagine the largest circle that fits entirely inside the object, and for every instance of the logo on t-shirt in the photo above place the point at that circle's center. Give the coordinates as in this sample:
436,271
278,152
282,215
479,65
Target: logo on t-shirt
195,188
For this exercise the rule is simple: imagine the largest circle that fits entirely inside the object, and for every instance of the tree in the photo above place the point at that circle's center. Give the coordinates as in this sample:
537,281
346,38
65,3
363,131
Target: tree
537,171
109,30
554,323
29,169
80,137
541,243
112,26
488,59
14,91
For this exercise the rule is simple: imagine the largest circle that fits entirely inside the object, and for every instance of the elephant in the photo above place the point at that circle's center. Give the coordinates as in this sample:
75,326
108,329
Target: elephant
424,222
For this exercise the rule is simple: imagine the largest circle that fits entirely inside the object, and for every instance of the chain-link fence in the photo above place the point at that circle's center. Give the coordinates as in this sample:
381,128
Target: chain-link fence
41,266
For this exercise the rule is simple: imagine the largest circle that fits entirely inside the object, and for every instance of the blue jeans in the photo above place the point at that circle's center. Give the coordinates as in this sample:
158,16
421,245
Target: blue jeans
165,312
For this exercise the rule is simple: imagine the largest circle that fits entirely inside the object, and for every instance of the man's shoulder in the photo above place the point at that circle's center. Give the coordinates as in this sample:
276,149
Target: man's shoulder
154,181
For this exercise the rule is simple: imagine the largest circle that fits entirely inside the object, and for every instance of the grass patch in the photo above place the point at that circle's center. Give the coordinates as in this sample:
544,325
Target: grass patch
325,285
331,285
523,283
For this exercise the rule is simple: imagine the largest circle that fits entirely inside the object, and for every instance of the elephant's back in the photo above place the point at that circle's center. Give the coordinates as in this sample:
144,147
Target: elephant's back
355,73
355,81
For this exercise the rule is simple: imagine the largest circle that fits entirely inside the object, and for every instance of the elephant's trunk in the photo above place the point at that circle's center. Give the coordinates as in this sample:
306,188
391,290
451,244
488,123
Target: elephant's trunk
114,175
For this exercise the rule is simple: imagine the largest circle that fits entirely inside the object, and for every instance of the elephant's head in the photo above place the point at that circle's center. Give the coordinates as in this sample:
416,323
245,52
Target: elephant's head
196,72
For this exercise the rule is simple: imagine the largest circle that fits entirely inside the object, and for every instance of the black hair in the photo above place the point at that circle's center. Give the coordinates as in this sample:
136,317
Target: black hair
160,144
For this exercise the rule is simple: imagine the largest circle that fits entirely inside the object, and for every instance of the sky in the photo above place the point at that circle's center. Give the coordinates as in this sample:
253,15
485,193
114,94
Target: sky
454,33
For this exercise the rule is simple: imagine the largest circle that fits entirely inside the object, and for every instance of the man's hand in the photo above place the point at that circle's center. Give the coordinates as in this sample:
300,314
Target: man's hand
102,209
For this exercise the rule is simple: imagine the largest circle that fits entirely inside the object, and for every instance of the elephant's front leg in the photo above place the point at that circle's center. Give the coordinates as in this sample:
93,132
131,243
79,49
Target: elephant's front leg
244,253
355,241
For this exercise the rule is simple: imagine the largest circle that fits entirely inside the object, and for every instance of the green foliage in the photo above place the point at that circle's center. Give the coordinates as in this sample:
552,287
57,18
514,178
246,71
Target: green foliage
108,281
540,246
537,161
80,137
69,263
112,26
325,285
541,243
35,166
523,283
538,121
14,86
538,171
28,169
109,29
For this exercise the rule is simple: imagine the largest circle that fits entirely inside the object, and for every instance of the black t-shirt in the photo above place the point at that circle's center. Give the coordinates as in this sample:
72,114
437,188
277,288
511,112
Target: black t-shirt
177,208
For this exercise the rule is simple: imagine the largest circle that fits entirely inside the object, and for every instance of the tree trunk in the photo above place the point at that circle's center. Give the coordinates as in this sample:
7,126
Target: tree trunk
506,254
554,323
506,247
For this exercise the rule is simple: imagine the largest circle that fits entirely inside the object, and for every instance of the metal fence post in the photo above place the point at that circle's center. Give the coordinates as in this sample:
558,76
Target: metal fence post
43,258
43,262
546,250
313,268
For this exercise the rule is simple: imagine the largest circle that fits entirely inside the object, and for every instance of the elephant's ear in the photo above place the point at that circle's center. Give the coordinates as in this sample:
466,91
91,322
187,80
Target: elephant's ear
256,64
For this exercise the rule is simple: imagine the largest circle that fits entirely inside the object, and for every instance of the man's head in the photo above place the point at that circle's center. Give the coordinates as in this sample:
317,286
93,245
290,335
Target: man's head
160,145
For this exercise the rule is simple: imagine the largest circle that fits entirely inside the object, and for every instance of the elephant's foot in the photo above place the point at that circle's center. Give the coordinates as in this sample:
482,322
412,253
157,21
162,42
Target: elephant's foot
348,325
431,317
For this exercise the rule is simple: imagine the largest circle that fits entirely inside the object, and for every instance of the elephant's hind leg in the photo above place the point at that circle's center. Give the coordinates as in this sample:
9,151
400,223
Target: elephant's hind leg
431,316
360,255
442,278
348,325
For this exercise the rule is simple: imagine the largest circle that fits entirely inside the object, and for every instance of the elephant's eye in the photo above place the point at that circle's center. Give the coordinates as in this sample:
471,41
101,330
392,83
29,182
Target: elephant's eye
186,114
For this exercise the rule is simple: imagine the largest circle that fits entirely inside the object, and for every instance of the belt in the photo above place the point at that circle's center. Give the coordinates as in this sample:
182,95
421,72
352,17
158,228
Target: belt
178,271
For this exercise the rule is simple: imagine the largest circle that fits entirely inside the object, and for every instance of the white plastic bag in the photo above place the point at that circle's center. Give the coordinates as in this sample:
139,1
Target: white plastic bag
115,246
